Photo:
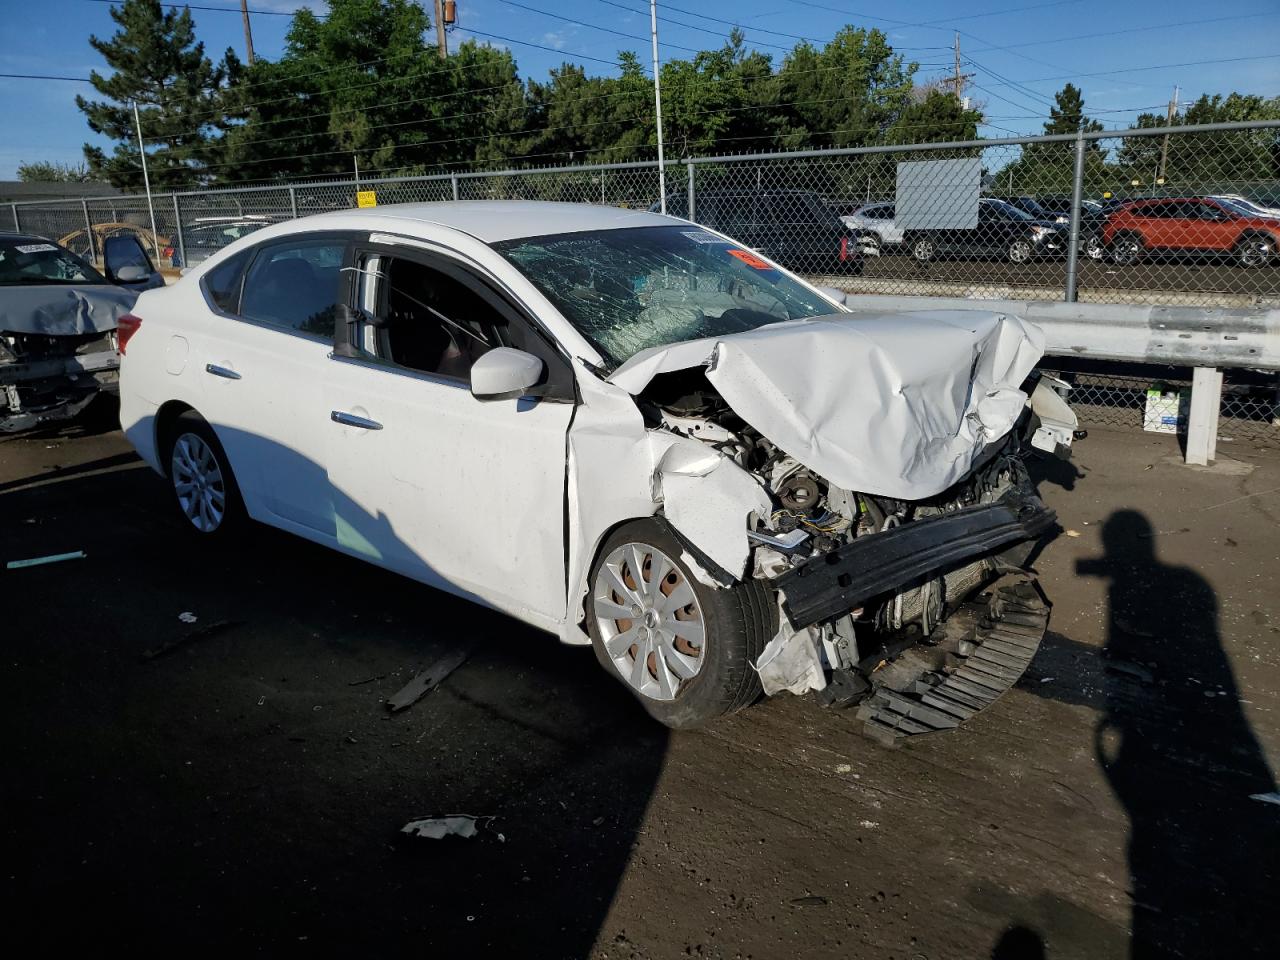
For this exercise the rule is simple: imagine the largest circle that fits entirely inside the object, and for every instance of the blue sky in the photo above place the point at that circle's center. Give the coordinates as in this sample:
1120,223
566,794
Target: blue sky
1021,50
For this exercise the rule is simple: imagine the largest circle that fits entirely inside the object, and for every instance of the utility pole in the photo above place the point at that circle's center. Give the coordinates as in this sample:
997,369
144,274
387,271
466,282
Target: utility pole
959,78
248,32
442,41
146,179
1164,147
657,105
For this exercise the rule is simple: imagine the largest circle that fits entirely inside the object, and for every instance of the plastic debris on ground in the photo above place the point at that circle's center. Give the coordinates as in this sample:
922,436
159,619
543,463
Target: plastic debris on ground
455,825
427,680
41,561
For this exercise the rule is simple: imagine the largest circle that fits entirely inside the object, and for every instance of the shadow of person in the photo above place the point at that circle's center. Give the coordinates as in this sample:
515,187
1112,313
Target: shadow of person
1204,858
1019,943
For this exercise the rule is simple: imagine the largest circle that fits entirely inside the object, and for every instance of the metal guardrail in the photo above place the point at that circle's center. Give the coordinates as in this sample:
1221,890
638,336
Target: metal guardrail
1207,340
1181,336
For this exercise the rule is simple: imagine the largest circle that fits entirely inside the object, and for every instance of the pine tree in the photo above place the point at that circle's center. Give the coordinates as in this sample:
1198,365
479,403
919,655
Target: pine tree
158,63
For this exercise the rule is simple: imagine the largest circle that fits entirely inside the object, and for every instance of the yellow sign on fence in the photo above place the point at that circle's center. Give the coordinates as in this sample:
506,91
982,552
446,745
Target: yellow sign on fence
366,198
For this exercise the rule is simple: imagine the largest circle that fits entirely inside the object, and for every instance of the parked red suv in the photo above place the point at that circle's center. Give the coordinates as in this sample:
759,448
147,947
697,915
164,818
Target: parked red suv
1193,225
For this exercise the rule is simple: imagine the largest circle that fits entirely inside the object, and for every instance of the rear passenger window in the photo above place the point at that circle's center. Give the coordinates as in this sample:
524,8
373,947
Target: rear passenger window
222,283
295,285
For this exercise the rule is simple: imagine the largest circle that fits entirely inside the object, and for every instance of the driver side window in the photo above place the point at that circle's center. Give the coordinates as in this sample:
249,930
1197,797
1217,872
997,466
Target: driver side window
431,322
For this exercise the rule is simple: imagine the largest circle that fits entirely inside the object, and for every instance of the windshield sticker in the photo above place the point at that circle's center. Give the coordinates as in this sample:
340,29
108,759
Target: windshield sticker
35,247
701,236
751,260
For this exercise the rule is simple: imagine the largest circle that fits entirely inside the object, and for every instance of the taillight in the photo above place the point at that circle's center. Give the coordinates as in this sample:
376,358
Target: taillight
126,327
168,253
844,248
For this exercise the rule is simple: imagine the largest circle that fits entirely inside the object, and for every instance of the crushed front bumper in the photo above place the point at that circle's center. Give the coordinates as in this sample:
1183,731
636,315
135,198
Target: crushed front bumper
48,389
832,584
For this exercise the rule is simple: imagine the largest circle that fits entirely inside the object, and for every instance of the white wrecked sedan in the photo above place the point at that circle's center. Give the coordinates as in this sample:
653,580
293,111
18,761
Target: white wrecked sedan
625,430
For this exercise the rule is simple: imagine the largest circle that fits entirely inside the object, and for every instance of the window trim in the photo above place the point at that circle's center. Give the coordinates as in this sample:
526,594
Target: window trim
347,238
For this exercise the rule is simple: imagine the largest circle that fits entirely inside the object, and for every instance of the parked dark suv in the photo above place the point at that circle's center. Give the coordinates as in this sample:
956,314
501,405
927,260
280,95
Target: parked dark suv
794,227
1002,231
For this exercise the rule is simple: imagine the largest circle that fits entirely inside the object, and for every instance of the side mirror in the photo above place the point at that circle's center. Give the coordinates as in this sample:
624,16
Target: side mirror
504,373
125,260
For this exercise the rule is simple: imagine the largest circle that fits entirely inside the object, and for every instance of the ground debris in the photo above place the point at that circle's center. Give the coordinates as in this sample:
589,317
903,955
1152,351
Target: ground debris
41,561
810,901
208,630
463,825
427,680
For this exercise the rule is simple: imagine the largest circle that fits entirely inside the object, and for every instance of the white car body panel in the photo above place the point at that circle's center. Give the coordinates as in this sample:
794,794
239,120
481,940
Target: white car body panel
474,496
888,230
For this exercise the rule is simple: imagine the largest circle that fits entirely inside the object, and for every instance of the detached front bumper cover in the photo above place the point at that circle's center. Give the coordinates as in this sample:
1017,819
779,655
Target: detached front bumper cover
834,583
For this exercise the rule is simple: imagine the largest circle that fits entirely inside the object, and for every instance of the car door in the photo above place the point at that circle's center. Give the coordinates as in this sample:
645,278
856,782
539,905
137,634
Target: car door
1217,229
262,359
426,479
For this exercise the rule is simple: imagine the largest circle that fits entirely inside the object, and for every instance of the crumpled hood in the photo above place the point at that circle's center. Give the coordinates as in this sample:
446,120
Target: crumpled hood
899,405
55,310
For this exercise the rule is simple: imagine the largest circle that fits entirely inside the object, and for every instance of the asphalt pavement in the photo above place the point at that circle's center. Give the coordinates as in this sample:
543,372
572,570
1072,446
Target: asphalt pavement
236,782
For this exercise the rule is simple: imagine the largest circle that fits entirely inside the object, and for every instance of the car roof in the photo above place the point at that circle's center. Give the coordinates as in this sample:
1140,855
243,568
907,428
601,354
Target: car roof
492,221
9,235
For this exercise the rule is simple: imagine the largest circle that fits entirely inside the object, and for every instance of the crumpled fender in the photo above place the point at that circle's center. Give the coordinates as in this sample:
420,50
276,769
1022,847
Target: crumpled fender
708,498
619,470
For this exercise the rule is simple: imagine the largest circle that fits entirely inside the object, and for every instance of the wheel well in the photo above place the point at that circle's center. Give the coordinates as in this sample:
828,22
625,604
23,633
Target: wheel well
166,417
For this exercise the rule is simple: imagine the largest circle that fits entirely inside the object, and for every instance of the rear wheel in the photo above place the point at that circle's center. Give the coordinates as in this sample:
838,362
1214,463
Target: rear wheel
685,650
923,250
204,489
1255,250
1093,248
1126,249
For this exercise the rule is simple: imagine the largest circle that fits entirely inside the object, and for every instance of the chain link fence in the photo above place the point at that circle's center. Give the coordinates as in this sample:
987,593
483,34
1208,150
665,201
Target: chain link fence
1159,401
1184,216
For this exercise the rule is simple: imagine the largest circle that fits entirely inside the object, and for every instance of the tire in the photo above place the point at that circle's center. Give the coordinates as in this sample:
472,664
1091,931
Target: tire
1093,248
1255,250
1020,251
205,494
1126,249
922,249
736,622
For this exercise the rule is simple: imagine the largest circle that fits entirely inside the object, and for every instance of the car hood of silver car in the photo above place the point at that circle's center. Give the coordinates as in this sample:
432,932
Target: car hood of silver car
63,310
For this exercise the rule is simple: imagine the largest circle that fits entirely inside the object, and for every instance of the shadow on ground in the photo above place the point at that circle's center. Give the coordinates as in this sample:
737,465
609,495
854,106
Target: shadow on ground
1178,751
247,787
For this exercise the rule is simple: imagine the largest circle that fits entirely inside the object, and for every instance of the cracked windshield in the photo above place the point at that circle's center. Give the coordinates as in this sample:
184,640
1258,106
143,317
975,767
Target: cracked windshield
628,290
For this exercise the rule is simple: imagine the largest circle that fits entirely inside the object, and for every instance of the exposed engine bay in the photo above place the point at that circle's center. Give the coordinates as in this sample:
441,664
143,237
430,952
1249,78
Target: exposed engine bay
50,378
877,594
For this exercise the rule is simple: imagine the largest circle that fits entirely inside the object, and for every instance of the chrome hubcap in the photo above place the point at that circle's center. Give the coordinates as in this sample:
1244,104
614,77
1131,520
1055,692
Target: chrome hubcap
1020,253
650,620
198,482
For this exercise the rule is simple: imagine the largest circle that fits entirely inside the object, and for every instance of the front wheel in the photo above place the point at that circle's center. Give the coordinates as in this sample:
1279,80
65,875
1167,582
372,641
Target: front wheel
685,650
1020,251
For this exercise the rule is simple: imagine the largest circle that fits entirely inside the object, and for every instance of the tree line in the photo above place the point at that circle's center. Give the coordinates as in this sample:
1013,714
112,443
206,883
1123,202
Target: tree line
363,87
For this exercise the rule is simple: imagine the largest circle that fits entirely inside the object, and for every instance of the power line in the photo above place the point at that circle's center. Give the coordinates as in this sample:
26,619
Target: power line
593,26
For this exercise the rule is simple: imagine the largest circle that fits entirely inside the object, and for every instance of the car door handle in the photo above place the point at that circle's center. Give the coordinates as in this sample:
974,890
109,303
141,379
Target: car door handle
225,372
351,420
